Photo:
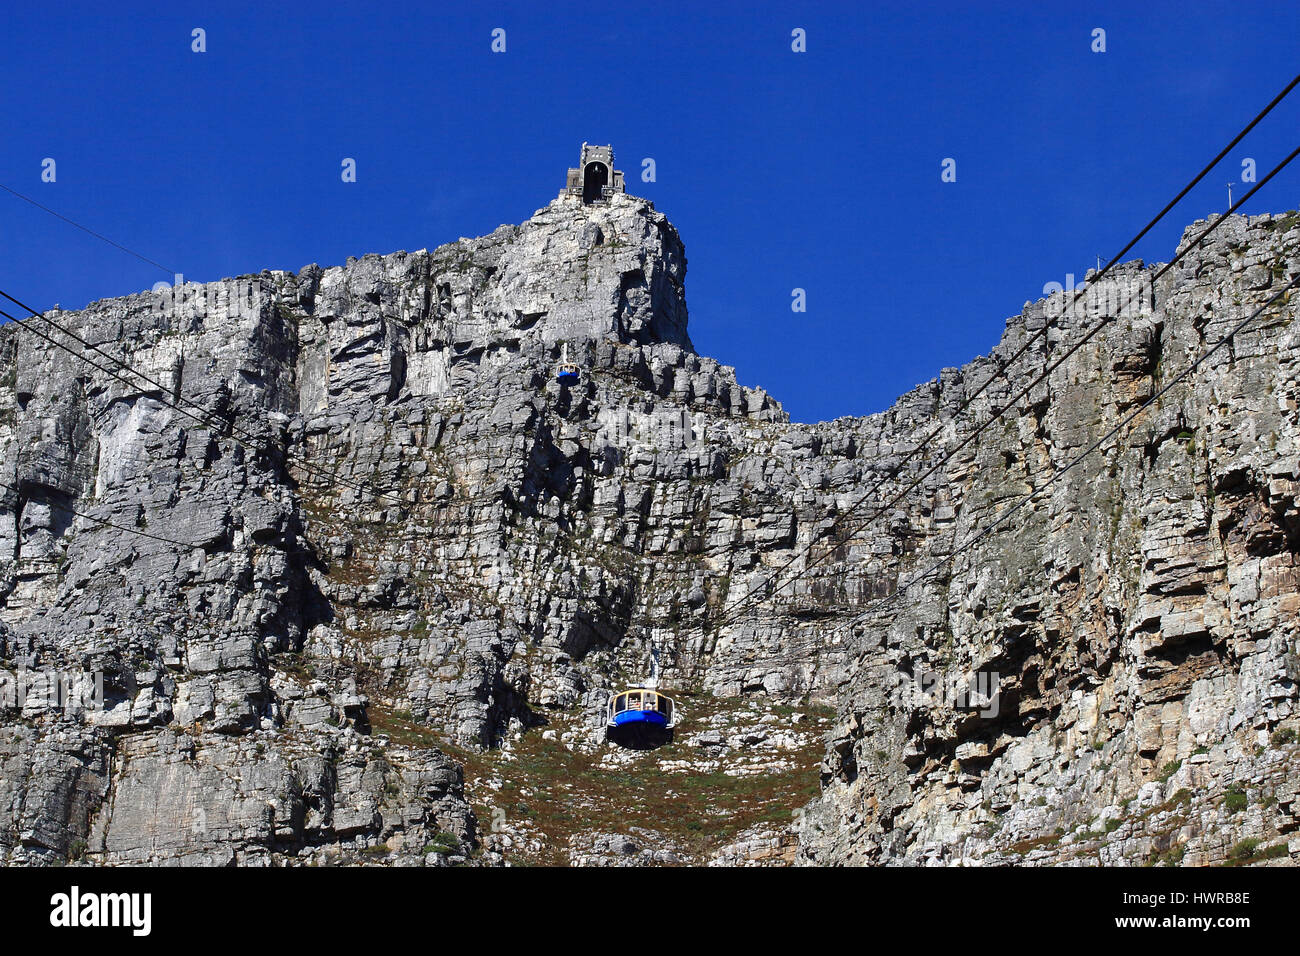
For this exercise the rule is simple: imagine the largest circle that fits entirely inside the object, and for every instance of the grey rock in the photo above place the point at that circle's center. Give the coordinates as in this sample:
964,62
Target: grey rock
398,532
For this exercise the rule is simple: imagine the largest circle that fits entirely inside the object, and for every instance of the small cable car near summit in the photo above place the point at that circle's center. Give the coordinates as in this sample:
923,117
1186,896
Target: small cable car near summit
567,373
641,707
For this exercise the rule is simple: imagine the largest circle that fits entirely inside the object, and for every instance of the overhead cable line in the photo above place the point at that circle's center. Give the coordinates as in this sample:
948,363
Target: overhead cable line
771,590
876,603
200,415
86,229
108,524
1043,375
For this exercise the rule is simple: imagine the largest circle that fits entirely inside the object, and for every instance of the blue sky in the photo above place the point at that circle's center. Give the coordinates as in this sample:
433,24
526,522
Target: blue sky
818,170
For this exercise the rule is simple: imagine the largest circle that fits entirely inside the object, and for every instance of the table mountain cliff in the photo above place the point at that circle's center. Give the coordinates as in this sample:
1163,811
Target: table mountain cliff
358,573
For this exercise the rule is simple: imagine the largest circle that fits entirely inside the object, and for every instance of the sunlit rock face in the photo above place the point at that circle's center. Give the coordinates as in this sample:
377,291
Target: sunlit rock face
1141,612
378,539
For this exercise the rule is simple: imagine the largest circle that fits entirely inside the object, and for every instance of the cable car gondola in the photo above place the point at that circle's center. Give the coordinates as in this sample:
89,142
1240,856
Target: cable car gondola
640,705
567,373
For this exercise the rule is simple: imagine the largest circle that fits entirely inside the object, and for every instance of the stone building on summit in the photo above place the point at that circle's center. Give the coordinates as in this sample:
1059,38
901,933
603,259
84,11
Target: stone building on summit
595,177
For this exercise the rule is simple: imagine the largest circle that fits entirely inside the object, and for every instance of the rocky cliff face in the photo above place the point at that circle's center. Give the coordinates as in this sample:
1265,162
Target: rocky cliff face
1142,614
361,596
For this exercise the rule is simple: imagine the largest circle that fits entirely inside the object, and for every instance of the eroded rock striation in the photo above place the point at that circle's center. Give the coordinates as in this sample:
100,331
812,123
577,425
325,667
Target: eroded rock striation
337,534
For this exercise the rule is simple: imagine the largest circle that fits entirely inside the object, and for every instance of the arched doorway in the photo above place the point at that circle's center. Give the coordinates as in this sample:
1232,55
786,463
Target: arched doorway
595,176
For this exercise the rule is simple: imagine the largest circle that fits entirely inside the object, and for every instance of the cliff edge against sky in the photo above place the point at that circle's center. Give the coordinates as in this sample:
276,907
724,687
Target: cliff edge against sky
359,573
